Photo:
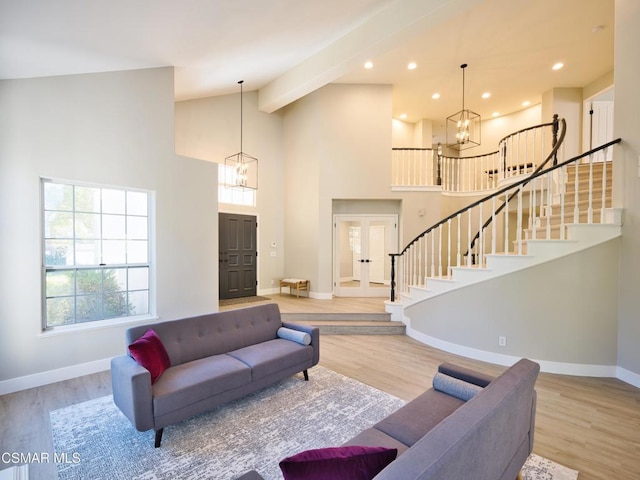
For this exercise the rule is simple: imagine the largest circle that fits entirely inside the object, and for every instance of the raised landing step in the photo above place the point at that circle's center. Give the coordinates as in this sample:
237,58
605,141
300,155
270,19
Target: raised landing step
348,323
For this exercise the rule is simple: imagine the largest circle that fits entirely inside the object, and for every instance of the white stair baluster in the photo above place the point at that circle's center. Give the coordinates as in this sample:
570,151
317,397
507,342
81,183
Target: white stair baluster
449,257
468,237
604,186
440,251
548,205
493,225
534,223
576,186
459,221
562,191
481,239
590,207
506,223
519,222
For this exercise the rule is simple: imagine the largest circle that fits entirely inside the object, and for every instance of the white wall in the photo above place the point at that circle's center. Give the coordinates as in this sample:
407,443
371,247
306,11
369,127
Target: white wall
209,129
495,129
114,129
626,178
337,146
567,104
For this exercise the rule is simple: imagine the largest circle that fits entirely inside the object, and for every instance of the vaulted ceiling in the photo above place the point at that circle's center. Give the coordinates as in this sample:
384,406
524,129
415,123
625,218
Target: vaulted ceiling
288,48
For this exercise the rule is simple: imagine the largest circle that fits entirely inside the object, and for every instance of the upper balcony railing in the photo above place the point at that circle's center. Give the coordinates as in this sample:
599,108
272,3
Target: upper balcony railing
518,154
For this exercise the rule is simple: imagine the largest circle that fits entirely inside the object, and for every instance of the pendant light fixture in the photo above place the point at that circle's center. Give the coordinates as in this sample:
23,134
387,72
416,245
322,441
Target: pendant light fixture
463,127
241,168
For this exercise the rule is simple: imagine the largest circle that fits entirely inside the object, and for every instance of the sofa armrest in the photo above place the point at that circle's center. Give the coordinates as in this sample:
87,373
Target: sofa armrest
465,374
315,337
132,394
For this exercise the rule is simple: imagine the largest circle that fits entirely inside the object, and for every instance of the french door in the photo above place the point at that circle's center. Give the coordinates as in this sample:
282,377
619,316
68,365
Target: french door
362,244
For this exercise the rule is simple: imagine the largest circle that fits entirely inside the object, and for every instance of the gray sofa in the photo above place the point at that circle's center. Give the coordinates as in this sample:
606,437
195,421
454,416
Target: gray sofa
442,437
214,359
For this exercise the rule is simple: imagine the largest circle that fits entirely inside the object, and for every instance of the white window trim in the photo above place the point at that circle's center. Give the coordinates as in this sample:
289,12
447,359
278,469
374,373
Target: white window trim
150,316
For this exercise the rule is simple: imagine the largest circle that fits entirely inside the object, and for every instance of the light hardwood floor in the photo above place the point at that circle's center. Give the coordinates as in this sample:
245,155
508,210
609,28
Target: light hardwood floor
588,424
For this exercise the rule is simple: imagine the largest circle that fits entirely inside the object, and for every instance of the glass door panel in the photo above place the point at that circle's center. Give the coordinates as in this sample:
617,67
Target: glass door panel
362,244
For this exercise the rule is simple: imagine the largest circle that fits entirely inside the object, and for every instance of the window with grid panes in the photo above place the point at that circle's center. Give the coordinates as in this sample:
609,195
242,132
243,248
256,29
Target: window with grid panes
95,253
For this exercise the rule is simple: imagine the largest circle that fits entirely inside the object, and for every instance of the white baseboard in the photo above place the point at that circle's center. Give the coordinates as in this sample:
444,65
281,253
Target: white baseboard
268,291
628,376
321,295
578,369
52,376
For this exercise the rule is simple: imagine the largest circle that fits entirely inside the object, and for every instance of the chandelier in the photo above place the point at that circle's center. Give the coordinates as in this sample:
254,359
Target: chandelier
463,127
241,169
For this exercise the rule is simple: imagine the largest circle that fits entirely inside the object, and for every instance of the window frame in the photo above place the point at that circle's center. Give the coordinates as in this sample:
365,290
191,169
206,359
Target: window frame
100,267
228,193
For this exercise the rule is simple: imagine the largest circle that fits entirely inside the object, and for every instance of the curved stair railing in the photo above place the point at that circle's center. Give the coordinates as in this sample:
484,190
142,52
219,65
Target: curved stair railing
519,153
558,125
539,206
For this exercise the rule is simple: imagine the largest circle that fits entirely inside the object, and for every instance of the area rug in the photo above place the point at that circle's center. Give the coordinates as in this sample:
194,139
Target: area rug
252,433
241,300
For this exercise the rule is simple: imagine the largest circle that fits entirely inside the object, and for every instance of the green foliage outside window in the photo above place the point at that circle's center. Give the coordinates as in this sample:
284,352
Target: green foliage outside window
95,253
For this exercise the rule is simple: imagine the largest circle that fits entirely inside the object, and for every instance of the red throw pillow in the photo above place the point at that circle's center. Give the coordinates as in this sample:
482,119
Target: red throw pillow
339,463
149,352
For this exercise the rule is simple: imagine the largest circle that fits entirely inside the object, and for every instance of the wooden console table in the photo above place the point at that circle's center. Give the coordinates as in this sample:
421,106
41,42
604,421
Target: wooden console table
296,283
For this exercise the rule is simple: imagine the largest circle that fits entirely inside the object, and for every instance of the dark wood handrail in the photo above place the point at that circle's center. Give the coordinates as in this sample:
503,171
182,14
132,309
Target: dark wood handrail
553,154
476,203
538,173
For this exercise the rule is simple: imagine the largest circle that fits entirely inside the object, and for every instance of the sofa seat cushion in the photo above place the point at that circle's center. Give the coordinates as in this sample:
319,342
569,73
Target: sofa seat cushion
411,422
191,382
273,356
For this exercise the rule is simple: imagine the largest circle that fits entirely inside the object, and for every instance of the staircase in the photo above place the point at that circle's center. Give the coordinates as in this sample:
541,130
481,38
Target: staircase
554,212
577,206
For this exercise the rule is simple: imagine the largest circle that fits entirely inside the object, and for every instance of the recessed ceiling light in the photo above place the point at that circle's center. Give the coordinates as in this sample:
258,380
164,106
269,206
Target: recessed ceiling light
558,66
486,95
435,96
412,66
403,116
496,114
368,65
526,103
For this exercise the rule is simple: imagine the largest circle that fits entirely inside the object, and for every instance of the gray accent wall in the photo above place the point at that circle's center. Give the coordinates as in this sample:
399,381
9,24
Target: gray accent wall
559,311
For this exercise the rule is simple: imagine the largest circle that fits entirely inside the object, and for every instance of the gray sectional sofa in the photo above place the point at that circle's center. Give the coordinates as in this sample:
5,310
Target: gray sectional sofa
214,359
469,426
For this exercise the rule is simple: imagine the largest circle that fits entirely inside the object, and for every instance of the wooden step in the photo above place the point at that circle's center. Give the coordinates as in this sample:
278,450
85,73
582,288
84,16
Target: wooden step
354,327
337,316
555,219
341,323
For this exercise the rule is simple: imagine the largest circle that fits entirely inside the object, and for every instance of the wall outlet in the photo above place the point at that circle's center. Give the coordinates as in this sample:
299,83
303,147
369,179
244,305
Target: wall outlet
502,341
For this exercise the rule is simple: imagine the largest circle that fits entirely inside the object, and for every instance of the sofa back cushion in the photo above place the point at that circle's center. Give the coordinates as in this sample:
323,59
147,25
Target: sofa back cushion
216,333
486,438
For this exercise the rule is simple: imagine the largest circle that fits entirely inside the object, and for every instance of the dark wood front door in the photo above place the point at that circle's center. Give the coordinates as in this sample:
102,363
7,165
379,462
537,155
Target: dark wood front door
237,255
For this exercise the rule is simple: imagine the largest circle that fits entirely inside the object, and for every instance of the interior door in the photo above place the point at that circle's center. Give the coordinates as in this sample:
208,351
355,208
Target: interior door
237,255
362,244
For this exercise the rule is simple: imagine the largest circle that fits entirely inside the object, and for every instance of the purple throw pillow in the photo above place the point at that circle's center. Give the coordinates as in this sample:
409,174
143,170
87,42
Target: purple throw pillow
351,462
149,352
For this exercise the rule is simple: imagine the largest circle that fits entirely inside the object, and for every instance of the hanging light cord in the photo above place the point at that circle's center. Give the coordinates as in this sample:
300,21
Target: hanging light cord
241,82
463,66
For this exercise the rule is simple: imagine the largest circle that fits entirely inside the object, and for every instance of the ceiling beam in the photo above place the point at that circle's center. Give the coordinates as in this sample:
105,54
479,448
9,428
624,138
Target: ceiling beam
394,25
